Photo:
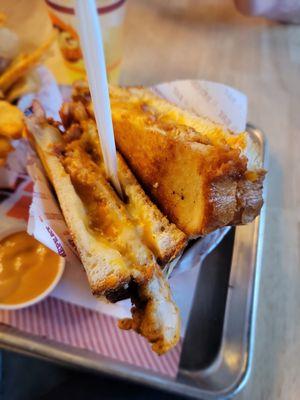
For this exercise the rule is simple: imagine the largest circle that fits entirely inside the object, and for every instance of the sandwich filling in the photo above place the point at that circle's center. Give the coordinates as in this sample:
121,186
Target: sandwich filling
135,220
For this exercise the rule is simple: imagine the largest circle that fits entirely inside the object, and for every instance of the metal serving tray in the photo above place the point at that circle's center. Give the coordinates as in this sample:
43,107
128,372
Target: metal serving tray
217,350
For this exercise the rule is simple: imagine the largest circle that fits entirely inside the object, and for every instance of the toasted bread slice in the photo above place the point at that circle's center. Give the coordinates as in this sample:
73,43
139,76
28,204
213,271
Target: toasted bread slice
196,170
117,261
164,239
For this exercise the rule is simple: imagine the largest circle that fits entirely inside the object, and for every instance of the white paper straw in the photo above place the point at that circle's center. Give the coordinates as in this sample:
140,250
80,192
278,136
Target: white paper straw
92,48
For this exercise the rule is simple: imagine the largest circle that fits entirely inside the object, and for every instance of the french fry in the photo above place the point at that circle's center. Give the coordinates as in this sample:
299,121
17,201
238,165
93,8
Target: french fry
22,64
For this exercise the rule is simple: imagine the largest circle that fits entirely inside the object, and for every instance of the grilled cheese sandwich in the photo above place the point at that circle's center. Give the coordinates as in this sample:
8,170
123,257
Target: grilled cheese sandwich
199,174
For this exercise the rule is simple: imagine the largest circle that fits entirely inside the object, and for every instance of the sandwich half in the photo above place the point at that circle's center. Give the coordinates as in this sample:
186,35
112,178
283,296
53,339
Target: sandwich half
201,175
121,243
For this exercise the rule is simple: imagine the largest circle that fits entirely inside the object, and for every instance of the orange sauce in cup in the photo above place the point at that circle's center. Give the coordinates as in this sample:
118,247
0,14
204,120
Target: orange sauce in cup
27,268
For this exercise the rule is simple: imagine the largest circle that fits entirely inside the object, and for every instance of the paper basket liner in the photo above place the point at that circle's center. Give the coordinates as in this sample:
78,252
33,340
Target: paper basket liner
83,328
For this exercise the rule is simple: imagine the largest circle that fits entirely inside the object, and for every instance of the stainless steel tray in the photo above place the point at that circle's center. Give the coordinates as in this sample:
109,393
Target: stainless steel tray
217,350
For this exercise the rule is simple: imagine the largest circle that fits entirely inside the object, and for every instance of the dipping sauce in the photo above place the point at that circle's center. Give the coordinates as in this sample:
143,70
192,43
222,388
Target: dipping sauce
27,268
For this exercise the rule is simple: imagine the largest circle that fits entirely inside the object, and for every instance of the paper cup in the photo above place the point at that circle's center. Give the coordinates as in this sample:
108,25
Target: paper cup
111,14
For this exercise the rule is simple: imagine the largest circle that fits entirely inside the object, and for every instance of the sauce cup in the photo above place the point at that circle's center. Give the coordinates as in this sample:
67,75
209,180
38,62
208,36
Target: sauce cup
42,295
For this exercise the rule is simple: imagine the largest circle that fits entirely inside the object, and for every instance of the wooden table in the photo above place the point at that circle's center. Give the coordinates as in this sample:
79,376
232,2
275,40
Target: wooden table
210,40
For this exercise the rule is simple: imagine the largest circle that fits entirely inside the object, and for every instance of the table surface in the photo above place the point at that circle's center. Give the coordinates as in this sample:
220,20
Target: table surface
210,40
